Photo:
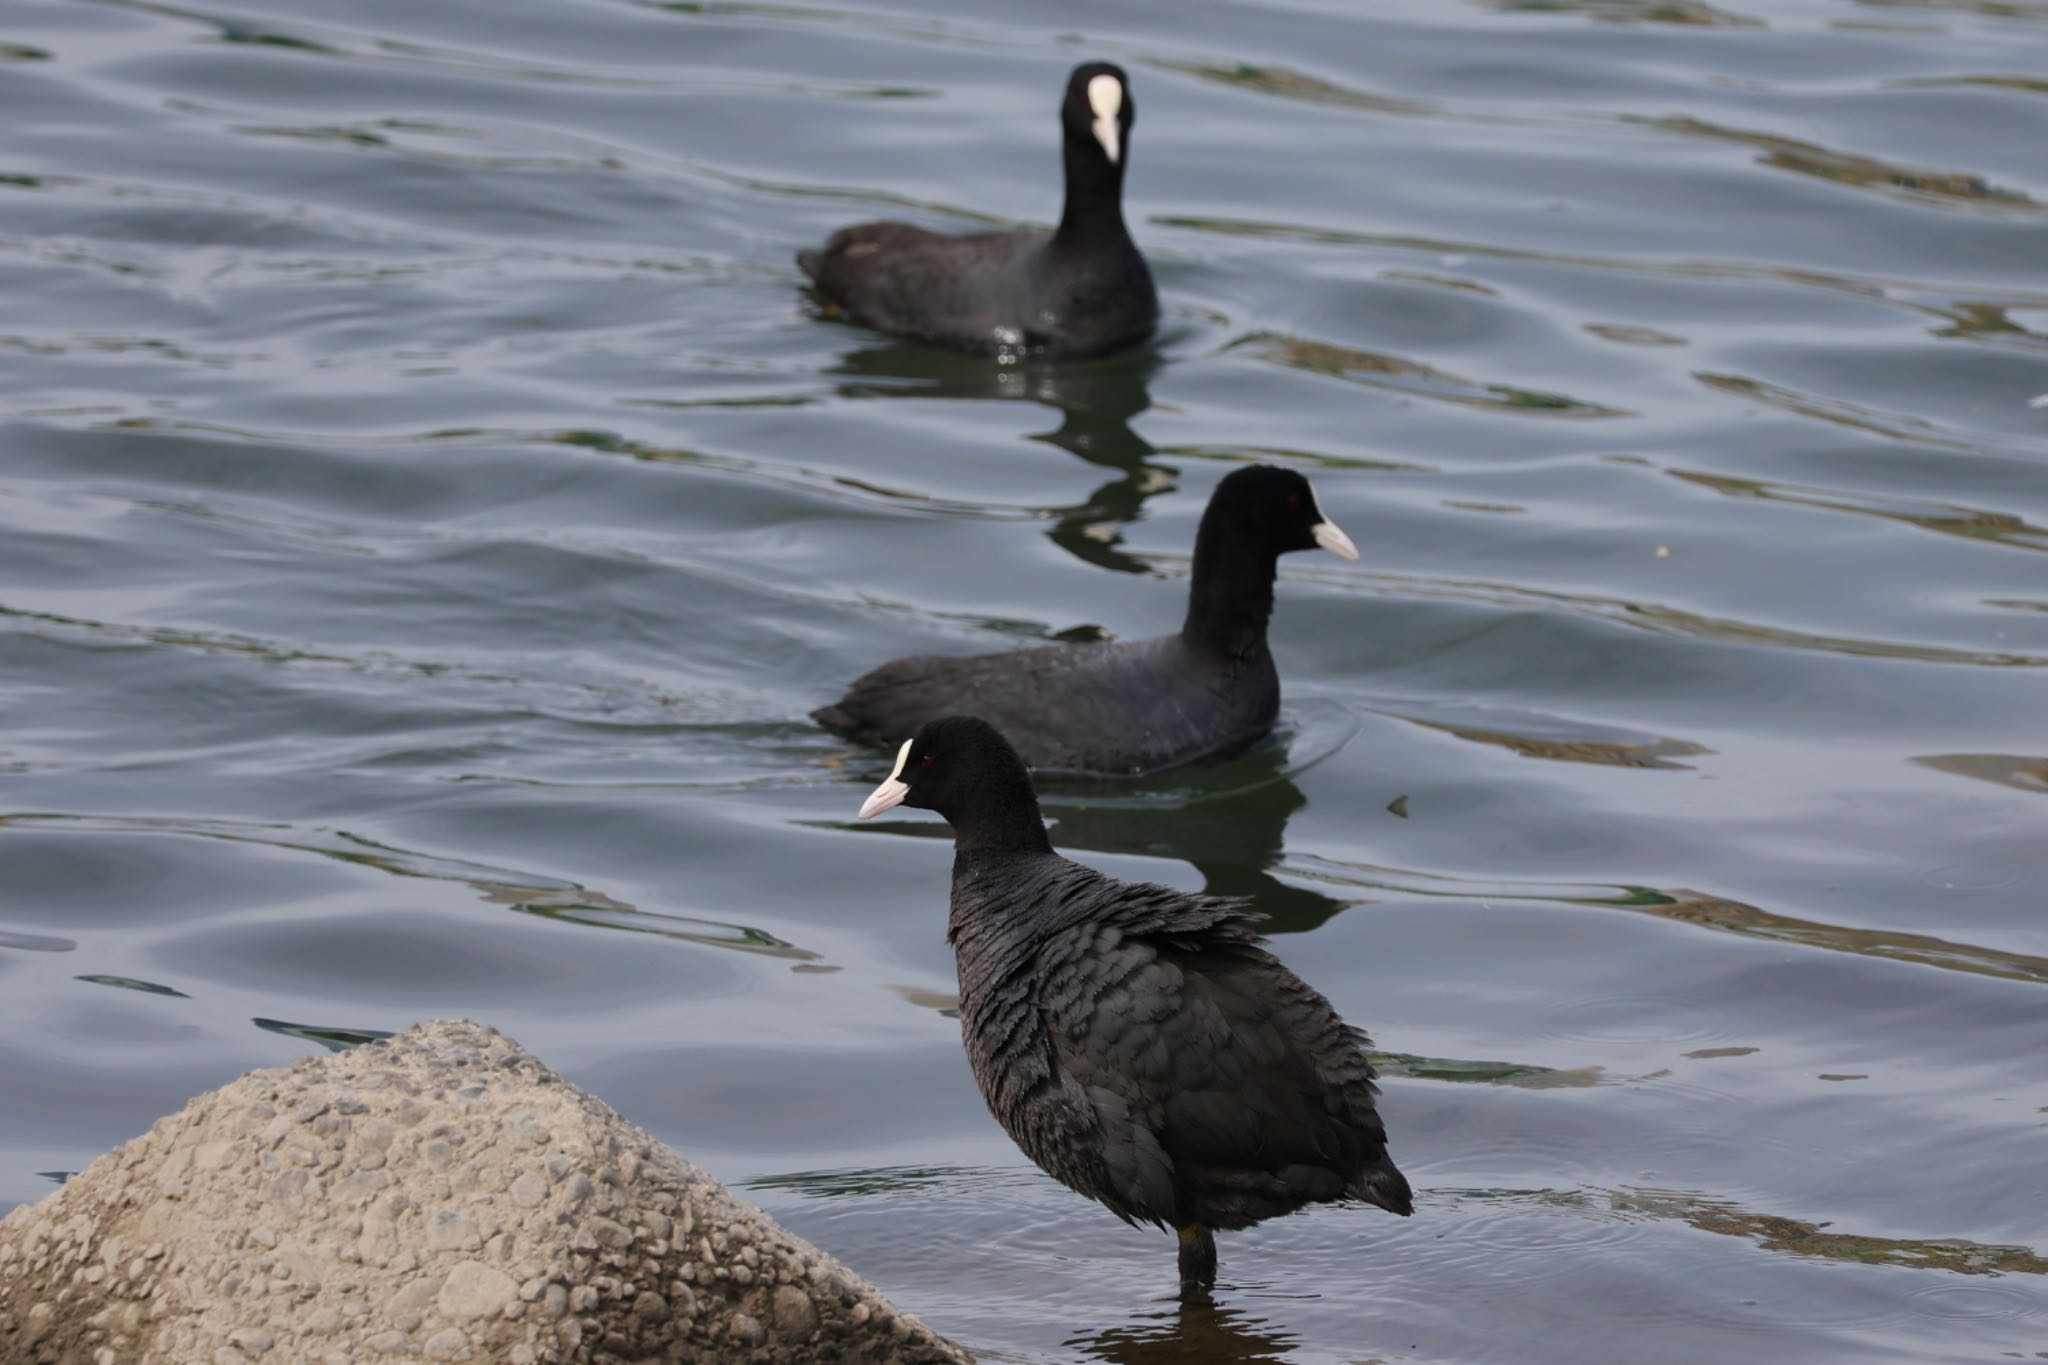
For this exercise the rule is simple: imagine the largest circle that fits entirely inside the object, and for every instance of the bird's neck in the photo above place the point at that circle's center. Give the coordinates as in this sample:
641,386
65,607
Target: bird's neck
1094,211
1231,598
999,820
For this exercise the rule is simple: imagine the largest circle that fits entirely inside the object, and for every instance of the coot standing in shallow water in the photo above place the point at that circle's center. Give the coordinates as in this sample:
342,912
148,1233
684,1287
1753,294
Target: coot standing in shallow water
1081,290
1139,1043
1128,709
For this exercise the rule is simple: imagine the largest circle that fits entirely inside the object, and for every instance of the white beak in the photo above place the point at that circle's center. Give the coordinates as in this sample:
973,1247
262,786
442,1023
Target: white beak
1330,538
891,792
1327,534
1107,133
1106,98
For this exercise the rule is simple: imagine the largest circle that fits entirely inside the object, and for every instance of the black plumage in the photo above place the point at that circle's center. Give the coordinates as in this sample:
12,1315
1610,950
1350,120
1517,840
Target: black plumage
1086,711
1139,1043
1082,289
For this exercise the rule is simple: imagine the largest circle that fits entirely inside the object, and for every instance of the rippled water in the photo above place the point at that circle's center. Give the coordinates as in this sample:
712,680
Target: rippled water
429,507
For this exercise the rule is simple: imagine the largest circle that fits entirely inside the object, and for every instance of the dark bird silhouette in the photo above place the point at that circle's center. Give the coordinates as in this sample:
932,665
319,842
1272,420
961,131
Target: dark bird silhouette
1097,710
1139,1043
1082,289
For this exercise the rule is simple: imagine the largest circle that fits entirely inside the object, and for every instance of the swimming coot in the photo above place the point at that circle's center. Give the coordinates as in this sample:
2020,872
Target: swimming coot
1139,1043
1128,709
1081,290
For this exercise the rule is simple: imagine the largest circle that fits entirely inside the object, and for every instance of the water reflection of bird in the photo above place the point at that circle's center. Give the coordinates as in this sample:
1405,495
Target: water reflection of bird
1081,290
1199,1331
1233,837
1097,401
1140,1044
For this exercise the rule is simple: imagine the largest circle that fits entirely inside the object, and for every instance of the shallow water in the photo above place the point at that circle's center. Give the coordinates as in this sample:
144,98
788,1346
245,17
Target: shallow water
429,507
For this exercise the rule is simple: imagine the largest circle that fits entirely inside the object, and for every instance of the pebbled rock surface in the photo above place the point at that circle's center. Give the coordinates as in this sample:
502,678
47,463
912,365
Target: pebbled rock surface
438,1196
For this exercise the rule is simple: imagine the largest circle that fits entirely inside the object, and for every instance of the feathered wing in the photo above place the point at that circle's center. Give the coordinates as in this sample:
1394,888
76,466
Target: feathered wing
1282,1115
906,279
888,704
1067,708
1016,972
1167,1065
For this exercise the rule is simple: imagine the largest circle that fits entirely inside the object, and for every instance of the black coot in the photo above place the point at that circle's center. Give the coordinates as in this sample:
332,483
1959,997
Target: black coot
1139,1043
1082,290
1126,710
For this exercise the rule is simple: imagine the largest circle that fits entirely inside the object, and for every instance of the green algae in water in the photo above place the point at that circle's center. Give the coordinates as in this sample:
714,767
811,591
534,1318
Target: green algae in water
1813,1239
129,983
1486,1073
333,1039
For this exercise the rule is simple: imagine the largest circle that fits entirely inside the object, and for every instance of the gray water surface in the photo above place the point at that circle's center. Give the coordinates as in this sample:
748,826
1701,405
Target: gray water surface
429,506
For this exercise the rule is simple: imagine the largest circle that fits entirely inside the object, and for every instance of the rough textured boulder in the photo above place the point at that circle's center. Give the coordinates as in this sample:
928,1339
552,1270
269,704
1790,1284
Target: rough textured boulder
437,1196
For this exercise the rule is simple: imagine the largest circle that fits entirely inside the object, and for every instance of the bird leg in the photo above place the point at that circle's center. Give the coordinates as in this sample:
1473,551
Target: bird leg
1197,1257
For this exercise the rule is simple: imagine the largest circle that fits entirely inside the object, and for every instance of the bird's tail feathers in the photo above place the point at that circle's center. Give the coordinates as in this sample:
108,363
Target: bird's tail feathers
1384,1185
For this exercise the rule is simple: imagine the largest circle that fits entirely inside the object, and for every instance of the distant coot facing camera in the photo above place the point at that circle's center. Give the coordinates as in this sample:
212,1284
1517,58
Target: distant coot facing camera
1139,1043
1082,290
1128,709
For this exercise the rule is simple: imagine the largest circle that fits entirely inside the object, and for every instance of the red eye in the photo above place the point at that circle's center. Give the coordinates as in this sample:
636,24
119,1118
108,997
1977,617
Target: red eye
1294,502
926,762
